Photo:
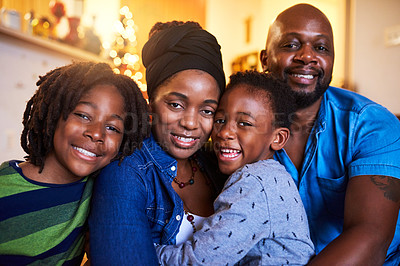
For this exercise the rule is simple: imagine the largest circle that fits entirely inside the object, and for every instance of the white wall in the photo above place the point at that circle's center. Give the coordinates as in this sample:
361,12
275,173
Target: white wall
20,69
375,67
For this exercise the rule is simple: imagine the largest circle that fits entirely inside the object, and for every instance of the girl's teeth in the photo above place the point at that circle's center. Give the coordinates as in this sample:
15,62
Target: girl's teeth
85,152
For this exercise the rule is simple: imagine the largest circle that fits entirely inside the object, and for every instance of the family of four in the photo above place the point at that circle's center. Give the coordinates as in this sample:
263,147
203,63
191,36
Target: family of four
296,172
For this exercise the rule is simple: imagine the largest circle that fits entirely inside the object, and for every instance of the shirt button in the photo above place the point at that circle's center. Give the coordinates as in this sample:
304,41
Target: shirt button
173,168
178,217
166,221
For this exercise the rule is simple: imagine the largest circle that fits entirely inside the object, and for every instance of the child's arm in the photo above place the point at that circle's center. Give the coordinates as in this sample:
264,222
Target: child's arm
240,221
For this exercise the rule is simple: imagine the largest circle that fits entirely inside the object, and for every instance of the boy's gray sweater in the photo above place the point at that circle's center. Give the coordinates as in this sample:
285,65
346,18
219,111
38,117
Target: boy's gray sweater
259,220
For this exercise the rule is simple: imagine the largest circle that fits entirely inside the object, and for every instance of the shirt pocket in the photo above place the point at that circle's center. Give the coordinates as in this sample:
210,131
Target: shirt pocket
158,217
333,191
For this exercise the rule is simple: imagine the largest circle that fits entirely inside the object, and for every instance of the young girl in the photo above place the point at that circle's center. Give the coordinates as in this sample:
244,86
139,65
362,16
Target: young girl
82,117
259,218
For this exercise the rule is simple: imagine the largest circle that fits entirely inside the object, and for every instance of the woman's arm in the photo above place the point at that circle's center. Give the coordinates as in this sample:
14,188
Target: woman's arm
119,230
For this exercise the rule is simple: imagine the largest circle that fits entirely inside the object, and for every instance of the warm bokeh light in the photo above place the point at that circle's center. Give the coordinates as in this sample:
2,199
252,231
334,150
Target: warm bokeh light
123,49
117,61
128,15
138,75
106,45
113,53
128,73
124,10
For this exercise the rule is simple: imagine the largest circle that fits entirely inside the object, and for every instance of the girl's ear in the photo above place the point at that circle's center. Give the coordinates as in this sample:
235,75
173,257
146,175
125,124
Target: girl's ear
281,137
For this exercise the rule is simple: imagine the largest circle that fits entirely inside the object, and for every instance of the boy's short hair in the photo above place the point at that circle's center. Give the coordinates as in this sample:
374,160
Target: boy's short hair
57,96
276,94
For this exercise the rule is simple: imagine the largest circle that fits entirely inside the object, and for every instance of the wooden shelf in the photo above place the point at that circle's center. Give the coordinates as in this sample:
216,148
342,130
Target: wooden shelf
52,45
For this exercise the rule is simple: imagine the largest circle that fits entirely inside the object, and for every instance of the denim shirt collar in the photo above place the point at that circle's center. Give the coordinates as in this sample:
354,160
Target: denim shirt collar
320,122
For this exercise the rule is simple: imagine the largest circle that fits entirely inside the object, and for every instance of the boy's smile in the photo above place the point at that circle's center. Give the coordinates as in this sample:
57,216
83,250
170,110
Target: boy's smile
243,129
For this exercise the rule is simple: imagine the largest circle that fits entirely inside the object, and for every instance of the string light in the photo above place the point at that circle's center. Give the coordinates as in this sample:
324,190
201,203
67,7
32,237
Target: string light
123,51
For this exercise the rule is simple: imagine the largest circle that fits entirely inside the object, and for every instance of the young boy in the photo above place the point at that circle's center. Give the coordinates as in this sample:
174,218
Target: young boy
259,218
82,117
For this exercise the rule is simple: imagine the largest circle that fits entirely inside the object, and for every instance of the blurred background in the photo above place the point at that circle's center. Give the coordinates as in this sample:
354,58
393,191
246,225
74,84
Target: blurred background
39,35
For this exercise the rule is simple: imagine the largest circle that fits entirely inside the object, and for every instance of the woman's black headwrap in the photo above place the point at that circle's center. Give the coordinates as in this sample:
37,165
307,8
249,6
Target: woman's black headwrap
179,48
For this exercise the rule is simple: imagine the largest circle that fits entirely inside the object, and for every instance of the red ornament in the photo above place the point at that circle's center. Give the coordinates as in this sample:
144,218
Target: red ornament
57,8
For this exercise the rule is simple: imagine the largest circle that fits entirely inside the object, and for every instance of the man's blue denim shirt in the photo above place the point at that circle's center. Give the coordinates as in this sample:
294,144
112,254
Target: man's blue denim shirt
134,206
352,136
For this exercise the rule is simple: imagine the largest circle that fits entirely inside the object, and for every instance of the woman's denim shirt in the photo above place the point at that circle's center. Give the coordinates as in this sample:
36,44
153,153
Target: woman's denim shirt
134,206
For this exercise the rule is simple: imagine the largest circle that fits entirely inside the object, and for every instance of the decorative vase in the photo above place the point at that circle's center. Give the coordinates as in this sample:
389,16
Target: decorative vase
72,37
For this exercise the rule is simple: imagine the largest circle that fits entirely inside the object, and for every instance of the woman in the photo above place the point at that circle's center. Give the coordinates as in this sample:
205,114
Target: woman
168,185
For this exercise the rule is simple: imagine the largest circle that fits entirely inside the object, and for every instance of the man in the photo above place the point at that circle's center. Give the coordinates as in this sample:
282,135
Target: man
344,150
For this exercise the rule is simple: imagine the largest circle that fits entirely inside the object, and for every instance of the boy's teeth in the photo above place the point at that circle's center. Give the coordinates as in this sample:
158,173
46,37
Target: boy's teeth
303,76
185,139
229,153
85,152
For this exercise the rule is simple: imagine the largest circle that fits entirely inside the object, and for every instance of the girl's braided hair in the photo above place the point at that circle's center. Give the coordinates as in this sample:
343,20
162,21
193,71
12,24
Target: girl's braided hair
57,96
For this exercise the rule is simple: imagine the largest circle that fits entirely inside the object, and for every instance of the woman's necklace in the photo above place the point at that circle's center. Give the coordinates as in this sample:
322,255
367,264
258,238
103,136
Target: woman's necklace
190,218
191,180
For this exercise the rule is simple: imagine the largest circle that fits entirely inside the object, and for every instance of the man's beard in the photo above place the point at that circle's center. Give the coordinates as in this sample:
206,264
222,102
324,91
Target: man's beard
305,99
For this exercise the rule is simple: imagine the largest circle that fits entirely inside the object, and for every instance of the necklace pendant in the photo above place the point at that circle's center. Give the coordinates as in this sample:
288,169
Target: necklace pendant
190,218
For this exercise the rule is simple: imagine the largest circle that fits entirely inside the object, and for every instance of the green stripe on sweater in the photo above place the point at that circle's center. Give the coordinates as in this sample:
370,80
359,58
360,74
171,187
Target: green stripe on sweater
74,251
46,218
11,184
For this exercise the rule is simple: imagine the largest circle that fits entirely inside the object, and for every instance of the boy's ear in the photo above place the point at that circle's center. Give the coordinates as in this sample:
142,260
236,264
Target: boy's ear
281,137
